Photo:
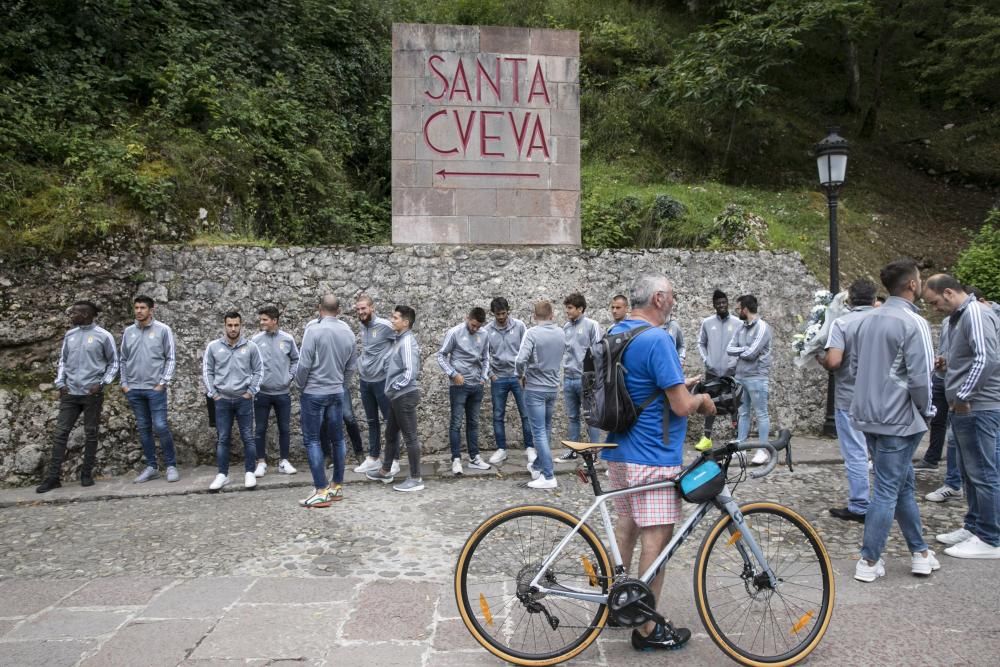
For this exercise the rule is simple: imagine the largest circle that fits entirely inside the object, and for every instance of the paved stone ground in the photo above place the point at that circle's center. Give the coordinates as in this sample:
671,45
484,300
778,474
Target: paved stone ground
171,576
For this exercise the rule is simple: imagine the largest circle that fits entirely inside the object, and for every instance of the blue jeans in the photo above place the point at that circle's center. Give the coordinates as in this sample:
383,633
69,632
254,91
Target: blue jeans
499,389
282,404
892,495
226,410
573,397
150,409
952,475
540,407
755,393
374,401
317,411
855,452
465,400
978,438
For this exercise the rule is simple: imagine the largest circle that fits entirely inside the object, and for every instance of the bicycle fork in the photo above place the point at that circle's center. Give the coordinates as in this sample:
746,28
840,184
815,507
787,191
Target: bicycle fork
744,541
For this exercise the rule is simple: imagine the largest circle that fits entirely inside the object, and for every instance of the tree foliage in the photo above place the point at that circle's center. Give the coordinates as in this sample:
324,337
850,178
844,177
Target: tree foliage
979,264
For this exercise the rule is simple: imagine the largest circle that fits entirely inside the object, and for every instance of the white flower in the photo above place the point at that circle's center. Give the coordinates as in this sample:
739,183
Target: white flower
818,309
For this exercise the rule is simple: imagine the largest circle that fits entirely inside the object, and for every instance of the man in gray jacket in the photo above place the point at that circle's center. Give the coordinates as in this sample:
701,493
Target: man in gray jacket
504,335
537,365
891,363
402,376
580,333
280,355
465,358
377,336
147,367
713,338
751,345
232,370
326,362
88,362
972,388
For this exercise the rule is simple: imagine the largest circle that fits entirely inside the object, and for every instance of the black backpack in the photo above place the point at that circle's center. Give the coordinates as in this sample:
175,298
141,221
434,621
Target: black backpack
606,402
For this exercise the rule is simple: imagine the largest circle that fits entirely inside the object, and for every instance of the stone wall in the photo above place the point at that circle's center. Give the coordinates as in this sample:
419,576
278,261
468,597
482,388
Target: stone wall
194,286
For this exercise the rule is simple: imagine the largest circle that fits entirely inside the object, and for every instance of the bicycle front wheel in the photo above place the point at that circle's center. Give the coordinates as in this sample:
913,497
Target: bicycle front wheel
749,620
492,579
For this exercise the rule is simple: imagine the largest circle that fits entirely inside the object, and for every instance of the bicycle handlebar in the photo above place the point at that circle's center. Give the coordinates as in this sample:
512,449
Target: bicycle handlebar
784,438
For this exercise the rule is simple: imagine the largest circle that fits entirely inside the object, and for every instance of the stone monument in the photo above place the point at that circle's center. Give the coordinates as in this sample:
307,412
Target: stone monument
485,135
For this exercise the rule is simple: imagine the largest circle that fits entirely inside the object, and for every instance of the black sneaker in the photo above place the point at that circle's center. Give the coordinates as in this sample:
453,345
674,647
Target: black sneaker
846,514
86,479
667,638
568,455
47,486
924,465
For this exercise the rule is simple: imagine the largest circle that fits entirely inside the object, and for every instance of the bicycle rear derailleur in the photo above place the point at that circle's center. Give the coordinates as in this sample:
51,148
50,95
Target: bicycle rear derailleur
632,603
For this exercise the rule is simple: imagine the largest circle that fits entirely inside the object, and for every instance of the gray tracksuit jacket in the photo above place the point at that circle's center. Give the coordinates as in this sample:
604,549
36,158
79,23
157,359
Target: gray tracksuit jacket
540,357
751,345
376,341
88,357
328,357
973,374
147,355
579,336
713,339
943,348
841,336
465,353
674,329
233,371
402,368
891,363
503,345
280,355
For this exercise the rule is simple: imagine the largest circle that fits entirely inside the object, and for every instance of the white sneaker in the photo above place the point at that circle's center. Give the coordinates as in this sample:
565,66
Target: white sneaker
261,469
219,482
368,465
534,471
924,566
954,537
478,463
542,483
286,468
532,454
499,456
394,468
973,548
250,480
760,457
456,466
869,573
944,493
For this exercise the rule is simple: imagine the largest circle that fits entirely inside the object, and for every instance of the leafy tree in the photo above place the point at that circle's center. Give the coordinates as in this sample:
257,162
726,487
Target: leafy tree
979,264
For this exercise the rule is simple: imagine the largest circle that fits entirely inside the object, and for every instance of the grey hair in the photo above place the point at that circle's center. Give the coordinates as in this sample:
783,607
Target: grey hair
645,287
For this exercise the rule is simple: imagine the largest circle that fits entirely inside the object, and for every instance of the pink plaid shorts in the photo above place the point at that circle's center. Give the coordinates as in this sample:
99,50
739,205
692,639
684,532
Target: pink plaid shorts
659,507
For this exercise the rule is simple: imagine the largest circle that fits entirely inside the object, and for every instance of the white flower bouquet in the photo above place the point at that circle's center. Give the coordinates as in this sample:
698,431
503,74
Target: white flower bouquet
816,328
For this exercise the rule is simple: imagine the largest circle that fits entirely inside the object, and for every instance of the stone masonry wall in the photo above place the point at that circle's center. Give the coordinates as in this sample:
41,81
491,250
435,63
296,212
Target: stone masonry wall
194,286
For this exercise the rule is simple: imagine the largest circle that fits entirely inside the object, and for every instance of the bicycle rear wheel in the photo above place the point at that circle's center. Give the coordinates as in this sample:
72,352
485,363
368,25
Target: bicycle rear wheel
497,564
751,622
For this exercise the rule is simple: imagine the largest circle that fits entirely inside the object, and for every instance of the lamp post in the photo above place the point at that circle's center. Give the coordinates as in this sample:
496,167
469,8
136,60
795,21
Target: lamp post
831,160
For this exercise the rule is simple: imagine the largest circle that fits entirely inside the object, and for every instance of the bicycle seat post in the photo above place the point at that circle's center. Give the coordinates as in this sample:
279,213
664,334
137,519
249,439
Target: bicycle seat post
588,459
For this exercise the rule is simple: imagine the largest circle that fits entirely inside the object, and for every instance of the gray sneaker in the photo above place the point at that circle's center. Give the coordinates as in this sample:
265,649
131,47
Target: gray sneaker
172,474
411,484
379,476
146,475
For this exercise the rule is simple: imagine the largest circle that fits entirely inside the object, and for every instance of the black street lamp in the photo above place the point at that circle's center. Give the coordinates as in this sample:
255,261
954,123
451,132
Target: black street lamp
831,159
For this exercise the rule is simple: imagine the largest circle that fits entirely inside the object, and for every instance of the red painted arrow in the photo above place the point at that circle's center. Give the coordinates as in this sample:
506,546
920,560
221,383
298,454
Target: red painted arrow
445,174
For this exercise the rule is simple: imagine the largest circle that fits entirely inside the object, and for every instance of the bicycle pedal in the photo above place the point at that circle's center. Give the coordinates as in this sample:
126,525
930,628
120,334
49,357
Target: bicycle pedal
583,476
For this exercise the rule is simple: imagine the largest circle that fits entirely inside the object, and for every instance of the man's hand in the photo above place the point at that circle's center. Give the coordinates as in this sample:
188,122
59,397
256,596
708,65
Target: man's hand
94,389
707,406
960,408
692,381
63,391
523,381
247,395
124,389
940,363
159,387
457,379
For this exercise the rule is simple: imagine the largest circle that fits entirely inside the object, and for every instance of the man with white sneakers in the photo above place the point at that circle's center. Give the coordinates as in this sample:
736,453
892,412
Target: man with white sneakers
504,335
891,362
464,357
281,356
537,365
232,370
972,387
377,337
580,334
751,345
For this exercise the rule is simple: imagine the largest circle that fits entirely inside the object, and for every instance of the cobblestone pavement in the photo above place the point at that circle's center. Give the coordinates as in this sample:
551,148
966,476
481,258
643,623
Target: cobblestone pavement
251,578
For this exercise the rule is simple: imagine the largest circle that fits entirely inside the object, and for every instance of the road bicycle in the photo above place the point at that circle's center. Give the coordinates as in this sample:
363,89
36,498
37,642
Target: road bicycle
535,584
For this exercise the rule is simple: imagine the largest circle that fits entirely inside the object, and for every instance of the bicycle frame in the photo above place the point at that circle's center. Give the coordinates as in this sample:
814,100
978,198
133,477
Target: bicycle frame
723,501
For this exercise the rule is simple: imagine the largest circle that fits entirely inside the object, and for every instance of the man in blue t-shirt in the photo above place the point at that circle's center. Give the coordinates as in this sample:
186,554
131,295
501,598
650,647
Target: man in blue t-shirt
652,450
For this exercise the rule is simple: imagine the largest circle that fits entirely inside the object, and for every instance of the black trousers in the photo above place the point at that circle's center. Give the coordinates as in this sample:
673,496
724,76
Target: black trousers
939,424
403,418
70,408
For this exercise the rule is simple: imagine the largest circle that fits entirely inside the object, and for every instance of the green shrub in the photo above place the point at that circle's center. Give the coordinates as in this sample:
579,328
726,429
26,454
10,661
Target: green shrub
979,264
